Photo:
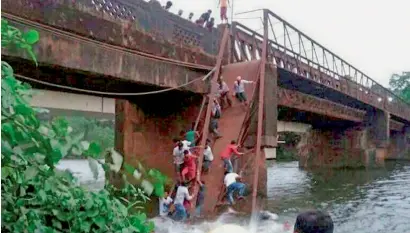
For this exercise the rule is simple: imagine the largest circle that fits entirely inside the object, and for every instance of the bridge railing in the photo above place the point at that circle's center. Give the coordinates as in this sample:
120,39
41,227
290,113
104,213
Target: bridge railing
294,51
151,17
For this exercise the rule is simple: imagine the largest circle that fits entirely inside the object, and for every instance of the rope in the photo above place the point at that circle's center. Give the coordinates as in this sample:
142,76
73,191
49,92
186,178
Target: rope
112,93
103,44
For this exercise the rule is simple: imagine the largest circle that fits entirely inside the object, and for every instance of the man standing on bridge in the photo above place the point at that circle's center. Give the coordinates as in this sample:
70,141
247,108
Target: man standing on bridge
239,88
224,10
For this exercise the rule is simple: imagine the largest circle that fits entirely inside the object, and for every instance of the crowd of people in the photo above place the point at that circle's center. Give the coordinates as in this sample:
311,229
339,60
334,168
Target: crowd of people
177,202
205,20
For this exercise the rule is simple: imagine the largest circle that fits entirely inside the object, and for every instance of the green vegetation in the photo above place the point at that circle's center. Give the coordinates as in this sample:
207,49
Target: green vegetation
36,197
288,151
99,131
400,85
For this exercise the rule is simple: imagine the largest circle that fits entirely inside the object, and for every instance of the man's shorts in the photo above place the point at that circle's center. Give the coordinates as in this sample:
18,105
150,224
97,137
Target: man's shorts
223,12
241,96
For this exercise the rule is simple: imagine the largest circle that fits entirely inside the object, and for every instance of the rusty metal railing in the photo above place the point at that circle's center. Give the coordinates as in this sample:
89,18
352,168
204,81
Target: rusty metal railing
291,49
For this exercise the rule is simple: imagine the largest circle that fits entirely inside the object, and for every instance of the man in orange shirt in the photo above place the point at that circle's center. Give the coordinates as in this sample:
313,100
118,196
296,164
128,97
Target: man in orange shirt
224,8
227,153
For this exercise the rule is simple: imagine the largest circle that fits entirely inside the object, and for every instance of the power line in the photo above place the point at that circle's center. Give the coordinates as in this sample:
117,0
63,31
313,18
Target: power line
112,93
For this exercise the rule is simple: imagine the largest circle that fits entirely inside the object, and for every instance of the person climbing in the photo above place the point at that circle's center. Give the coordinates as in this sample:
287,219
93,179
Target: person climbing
313,221
200,199
182,194
239,89
164,204
209,25
216,114
204,18
224,10
223,92
227,153
208,156
191,135
178,154
233,184
189,166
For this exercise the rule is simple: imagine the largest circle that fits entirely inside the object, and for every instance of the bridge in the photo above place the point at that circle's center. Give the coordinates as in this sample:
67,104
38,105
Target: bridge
161,70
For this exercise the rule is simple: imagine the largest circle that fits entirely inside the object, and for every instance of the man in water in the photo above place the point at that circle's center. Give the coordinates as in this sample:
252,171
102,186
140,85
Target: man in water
233,184
180,213
164,204
313,222
239,88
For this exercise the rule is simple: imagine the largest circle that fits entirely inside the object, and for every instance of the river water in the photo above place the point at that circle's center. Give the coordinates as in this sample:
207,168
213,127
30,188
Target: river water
360,201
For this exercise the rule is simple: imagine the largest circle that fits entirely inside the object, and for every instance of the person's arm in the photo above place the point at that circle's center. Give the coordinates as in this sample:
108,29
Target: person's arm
235,150
246,81
187,196
197,134
175,153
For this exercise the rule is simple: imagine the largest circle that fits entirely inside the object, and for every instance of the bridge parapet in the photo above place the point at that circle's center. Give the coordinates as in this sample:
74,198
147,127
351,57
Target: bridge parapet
292,50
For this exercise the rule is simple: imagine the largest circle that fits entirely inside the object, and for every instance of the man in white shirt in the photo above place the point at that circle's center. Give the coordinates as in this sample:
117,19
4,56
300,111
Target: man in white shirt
239,88
178,154
164,203
182,194
232,185
208,156
223,93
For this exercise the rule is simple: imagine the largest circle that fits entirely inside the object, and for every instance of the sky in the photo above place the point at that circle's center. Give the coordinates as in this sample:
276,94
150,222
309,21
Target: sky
373,36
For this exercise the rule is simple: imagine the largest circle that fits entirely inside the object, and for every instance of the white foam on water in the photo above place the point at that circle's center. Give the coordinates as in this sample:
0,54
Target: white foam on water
251,225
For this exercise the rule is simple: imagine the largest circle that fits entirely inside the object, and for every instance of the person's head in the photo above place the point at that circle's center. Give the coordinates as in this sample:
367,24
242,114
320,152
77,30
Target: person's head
314,221
175,140
180,12
168,5
166,194
239,78
193,125
233,142
190,15
212,20
186,152
208,142
180,145
182,133
209,11
226,172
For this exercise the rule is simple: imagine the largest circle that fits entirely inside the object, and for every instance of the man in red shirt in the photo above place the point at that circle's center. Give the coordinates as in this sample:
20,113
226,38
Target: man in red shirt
227,154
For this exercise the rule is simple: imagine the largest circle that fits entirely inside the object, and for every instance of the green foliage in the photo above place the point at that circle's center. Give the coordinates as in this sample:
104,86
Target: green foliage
99,131
400,85
13,37
36,197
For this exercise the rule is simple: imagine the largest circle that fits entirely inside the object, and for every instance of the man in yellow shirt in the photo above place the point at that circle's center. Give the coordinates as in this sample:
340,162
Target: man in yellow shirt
224,8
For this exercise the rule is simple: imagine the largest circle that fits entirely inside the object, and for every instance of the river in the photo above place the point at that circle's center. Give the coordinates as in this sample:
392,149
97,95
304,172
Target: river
360,201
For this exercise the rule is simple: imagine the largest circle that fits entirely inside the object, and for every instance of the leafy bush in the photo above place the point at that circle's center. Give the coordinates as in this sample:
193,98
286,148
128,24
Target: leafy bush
36,197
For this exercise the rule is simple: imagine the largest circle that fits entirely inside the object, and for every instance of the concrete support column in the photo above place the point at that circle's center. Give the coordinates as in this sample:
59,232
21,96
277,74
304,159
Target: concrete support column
377,124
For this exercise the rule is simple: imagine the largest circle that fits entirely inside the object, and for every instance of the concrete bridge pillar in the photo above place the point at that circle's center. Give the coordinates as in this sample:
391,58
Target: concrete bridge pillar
354,145
399,146
146,126
377,126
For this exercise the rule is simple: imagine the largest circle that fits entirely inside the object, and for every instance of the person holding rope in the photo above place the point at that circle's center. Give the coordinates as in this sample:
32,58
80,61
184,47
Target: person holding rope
233,184
239,88
191,135
182,194
223,93
227,154
188,171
